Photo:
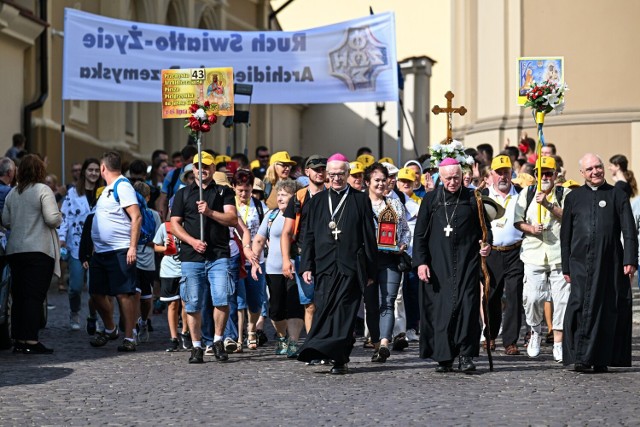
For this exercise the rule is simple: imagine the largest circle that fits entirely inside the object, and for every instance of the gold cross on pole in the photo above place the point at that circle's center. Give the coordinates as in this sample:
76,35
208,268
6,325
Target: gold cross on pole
449,110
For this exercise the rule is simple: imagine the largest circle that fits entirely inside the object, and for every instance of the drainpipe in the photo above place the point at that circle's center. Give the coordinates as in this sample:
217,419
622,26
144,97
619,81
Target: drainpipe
44,80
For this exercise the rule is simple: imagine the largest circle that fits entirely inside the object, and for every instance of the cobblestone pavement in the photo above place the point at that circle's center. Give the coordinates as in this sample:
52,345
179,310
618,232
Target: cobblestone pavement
81,385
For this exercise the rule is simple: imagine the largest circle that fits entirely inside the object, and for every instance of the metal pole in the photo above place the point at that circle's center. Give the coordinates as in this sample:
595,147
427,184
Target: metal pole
200,195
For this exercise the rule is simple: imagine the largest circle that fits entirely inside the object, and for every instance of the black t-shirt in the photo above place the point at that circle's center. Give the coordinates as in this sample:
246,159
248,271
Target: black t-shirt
216,235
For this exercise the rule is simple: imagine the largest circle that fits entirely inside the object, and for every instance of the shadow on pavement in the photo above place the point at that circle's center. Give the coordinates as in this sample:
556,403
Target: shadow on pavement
28,376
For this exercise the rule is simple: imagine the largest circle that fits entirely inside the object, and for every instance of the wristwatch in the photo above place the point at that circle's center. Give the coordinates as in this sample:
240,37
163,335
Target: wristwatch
248,245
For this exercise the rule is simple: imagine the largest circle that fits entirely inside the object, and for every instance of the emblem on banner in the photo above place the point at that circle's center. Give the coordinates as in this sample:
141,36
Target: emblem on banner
359,59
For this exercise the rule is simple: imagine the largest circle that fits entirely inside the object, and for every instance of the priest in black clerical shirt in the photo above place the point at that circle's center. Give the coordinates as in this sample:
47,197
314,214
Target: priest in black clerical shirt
447,249
598,265
339,251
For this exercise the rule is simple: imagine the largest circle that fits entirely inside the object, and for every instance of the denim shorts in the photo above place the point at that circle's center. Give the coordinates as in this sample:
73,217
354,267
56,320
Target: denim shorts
304,291
208,276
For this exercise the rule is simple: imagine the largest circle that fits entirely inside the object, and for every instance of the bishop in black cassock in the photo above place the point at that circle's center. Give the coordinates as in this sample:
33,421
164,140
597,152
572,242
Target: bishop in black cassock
342,258
598,320
447,240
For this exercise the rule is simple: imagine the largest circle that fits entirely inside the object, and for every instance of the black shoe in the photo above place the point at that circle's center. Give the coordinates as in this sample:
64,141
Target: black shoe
91,325
219,352
174,346
102,338
466,364
37,348
18,347
400,342
149,327
262,337
581,367
186,340
339,369
600,369
444,366
381,355
196,355
127,346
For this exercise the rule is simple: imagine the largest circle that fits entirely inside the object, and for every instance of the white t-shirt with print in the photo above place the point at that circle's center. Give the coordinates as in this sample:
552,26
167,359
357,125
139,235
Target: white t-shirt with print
170,266
111,226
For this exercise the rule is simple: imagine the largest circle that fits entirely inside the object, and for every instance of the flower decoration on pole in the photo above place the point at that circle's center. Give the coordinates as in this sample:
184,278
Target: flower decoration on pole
201,120
455,151
544,98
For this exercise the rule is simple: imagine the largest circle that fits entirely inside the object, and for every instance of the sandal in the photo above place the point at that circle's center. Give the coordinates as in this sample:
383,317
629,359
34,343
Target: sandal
368,344
252,344
239,348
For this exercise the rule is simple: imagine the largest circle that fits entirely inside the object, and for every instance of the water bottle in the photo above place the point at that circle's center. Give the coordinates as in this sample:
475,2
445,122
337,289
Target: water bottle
64,253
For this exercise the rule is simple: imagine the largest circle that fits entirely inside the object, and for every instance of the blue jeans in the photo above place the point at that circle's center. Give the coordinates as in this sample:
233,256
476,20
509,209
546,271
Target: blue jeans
253,293
389,281
200,277
231,328
76,281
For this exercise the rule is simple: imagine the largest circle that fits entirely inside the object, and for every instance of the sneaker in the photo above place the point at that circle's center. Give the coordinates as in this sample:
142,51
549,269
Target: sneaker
557,352
92,325
174,346
533,349
381,355
186,340
143,331
281,346
136,341
262,337
74,321
292,349
209,351
412,335
219,352
196,355
127,346
230,345
400,342
102,338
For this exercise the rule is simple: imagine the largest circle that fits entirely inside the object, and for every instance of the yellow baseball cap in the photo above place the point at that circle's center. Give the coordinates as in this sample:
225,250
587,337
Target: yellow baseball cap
365,159
281,157
356,167
207,159
571,184
548,162
501,162
407,173
386,160
255,164
524,180
222,159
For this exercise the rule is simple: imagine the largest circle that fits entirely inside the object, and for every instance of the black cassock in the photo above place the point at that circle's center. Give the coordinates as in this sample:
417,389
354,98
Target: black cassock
598,320
450,302
341,269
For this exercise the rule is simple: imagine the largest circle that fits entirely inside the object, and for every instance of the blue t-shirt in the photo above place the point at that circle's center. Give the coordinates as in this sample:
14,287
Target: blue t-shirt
4,190
167,182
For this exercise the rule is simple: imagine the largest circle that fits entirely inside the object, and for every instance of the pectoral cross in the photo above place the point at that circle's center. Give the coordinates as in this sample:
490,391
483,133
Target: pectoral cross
448,230
449,110
335,233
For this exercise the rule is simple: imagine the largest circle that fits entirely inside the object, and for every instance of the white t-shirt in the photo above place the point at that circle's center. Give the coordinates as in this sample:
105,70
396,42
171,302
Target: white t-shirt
145,258
111,226
251,219
170,266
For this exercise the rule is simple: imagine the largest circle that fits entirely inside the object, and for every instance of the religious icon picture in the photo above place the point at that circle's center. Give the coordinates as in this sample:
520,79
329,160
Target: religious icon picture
538,69
387,230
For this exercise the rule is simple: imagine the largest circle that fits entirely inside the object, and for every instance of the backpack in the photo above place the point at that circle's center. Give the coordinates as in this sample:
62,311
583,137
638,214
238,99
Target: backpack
174,180
258,205
148,227
298,202
531,192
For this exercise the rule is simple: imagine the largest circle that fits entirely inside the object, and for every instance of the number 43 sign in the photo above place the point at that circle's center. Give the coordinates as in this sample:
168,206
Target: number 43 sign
183,87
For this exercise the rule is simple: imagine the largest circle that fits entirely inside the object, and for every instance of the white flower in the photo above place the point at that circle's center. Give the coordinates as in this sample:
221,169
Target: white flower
200,114
470,161
457,145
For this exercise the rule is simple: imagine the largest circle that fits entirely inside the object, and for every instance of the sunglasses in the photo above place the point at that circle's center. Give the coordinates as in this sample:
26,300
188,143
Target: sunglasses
548,174
264,156
316,162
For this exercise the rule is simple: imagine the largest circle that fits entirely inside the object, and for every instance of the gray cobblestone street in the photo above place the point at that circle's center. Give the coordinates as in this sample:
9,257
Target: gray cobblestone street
81,385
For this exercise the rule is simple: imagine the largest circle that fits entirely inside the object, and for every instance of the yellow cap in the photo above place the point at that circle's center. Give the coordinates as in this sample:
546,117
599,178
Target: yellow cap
207,159
254,164
501,162
548,162
281,157
571,184
524,180
386,160
222,159
365,159
356,167
407,173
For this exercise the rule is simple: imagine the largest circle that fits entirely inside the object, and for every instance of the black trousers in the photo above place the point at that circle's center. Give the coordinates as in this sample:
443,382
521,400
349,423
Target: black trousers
31,274
506,271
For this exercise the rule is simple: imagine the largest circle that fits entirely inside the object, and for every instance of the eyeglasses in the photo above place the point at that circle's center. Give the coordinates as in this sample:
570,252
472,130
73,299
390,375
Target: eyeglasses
547,174
336,175
283,165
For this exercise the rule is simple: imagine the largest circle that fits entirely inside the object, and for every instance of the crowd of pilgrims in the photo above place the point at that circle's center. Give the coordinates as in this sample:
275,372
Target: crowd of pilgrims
270,193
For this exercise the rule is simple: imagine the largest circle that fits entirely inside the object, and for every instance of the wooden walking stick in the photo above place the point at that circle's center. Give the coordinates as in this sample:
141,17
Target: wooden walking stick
485,273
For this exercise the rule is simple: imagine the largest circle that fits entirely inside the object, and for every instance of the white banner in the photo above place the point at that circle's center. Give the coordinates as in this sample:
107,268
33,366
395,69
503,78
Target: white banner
108,59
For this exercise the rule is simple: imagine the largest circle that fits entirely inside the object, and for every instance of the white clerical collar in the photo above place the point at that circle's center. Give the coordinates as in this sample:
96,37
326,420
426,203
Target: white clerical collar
595,188
339,192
